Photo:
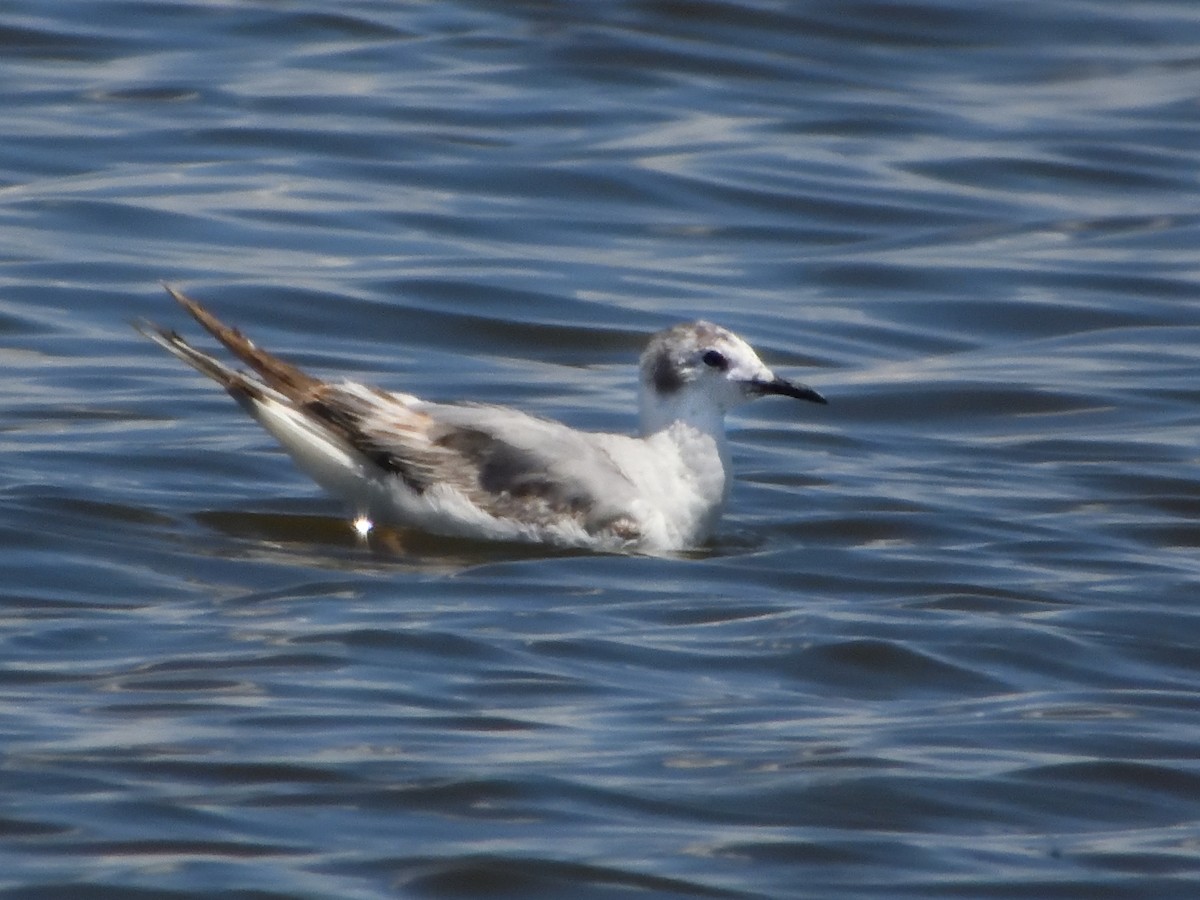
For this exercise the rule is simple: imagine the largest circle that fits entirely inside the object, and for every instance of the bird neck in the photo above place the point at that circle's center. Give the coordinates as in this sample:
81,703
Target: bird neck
689,411
695,453
695,427
688,440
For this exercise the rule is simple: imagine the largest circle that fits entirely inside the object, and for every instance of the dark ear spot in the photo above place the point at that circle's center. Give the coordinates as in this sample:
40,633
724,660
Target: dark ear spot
666,377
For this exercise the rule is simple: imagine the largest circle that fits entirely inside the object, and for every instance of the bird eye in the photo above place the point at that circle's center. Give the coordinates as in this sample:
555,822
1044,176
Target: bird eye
715,359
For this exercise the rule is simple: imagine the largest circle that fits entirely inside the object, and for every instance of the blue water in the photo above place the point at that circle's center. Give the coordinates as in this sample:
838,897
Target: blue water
946,643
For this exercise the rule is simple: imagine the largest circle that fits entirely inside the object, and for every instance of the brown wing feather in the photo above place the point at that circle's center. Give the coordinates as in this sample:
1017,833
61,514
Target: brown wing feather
496,476
283,377
330,405
242,386
508,479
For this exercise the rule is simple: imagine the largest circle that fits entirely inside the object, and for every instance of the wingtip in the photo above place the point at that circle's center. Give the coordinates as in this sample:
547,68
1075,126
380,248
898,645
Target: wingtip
278,375
158,333
181,298
167,338
149,329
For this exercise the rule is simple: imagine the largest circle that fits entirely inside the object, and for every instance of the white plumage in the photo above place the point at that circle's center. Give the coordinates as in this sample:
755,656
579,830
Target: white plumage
493,472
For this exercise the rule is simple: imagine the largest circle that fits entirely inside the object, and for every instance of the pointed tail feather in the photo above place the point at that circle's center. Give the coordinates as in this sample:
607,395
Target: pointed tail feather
285,378
239,384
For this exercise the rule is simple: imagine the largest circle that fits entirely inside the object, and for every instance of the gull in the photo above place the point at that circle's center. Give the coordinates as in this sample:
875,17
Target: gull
483,471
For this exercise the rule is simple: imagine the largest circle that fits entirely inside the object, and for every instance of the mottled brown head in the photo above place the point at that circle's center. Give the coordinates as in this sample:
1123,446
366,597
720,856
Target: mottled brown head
698,369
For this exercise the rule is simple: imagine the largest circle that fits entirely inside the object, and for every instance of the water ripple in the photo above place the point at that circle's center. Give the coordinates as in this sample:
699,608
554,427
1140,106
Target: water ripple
944,644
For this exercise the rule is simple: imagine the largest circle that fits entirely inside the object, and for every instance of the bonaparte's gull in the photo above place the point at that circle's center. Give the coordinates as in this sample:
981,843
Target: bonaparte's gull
482,471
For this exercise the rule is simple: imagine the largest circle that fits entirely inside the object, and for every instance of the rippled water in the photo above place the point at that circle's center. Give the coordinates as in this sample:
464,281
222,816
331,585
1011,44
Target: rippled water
946,643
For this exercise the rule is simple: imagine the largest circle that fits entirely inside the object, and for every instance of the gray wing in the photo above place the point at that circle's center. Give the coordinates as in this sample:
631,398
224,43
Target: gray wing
505,462
508,463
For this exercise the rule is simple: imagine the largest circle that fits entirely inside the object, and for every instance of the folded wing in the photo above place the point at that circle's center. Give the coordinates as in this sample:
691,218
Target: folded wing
505,463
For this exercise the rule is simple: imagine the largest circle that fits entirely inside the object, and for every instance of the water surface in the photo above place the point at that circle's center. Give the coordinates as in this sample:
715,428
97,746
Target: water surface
945,643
